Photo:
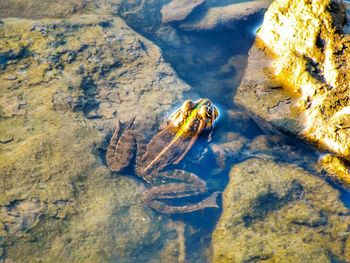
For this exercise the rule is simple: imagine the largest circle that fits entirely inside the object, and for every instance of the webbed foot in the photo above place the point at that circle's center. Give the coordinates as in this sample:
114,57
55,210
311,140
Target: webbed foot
168,209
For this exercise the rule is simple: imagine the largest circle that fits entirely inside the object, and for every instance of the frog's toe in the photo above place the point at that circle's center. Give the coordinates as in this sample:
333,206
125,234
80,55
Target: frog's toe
211,201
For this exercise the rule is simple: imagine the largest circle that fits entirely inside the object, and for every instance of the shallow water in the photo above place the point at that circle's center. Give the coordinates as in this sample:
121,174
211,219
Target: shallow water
202,59
212,62
199,58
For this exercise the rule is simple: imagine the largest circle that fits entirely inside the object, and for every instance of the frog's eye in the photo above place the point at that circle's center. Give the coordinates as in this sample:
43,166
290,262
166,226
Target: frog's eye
209,111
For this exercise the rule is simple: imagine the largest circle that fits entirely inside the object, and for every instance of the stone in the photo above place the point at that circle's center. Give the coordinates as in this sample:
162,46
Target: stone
280,213
296,82
238,120
228,150
6,139
178,10
12,106
282,149
223,16
24,215
48,8
335,168
74,78
169,35
266,142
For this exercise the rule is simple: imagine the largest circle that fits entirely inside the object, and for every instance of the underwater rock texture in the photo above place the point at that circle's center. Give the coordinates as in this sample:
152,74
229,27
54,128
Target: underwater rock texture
178,10
220,16
280,213
210,15
297,79
63,83
42,8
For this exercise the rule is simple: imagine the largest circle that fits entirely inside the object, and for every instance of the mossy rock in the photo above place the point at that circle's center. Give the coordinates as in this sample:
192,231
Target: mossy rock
64,83
280,213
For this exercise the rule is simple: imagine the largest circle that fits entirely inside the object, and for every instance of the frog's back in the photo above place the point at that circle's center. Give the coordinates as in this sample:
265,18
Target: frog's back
164,150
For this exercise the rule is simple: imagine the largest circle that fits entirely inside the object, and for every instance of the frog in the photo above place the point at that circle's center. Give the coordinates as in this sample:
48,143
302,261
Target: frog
156,161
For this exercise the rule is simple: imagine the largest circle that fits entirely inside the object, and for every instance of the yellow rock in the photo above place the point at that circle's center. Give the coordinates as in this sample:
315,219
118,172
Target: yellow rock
297,78
336,168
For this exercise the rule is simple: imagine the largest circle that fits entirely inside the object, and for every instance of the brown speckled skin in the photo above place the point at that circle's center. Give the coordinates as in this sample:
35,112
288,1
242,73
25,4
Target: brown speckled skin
166,149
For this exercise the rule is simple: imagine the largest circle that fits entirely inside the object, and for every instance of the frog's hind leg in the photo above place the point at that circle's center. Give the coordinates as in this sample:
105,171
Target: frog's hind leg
121,148
188,184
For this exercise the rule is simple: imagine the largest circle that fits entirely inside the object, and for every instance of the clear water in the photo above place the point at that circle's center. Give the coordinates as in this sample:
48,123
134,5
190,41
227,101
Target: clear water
198,60
202,60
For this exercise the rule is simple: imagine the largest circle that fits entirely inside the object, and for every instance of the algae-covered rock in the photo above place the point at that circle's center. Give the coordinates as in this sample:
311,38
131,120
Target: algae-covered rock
63,84
280,213
41,8
296,80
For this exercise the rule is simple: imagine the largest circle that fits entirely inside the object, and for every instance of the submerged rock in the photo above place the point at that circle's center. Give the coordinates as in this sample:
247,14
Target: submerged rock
210,61
178,10
221,16
277,213
42,8
169,35
69,81
296,82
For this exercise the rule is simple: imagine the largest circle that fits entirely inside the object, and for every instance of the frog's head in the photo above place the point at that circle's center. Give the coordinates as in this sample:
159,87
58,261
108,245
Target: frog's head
194,117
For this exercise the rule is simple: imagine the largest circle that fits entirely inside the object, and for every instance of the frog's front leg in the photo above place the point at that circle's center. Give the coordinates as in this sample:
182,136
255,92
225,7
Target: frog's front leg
188,184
